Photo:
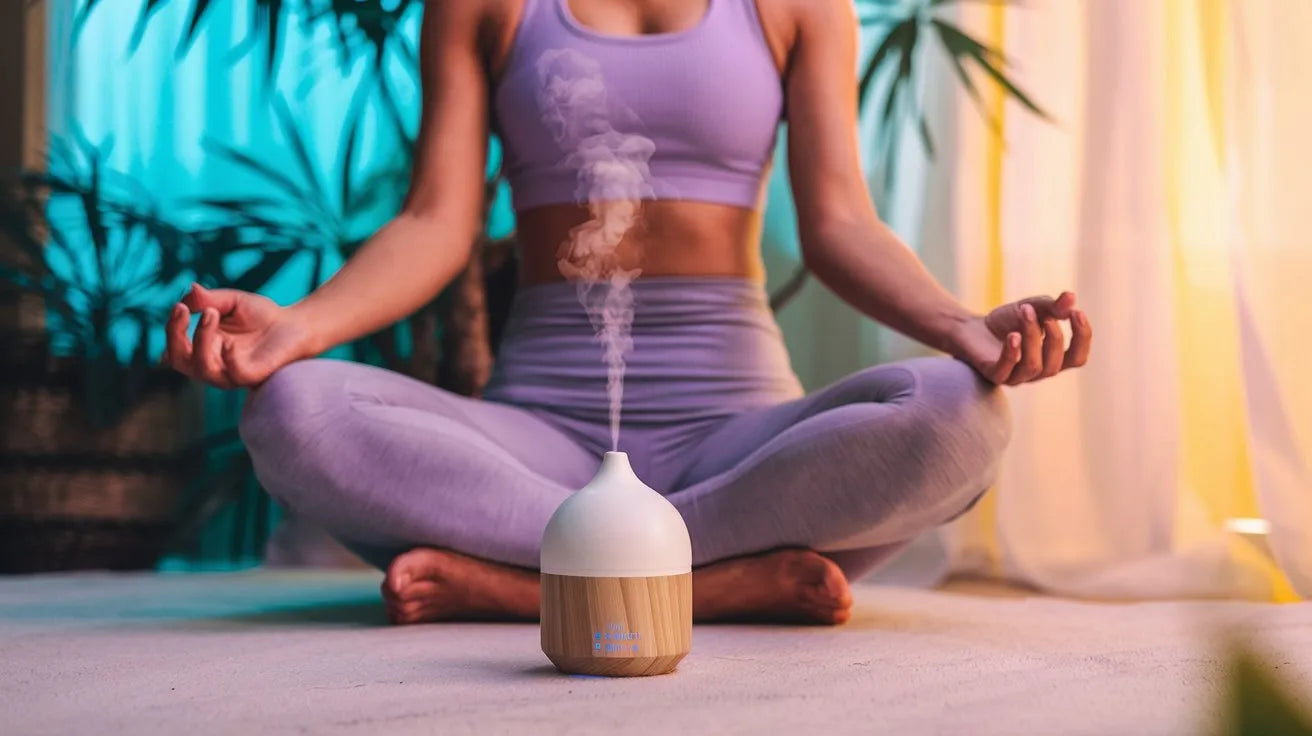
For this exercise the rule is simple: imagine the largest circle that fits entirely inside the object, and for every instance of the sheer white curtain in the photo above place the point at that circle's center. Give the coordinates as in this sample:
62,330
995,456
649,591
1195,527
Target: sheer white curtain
1173,192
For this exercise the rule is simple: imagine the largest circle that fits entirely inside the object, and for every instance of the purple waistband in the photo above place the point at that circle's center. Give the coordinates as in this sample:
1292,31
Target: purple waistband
703,347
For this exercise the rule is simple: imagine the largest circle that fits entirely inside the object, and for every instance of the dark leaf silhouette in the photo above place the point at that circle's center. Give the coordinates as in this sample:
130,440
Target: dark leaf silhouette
895,59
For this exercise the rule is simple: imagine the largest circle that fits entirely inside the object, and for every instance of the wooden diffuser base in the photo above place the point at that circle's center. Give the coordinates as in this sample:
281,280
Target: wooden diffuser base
620,626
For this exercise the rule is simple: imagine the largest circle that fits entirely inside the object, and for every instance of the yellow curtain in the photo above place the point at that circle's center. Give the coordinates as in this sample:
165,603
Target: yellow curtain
1173,193
1137,478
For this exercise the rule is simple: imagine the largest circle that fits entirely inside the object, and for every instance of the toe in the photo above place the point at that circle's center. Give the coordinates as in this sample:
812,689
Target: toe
397,580
825,590
410,566
419,591
421,611
408,613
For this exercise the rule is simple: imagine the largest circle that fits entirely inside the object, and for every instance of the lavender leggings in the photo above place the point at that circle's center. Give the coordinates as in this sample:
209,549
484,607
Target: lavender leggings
713,417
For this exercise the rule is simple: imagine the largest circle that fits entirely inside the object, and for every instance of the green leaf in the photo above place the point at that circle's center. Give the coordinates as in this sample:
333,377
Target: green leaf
256,277
81,19
393,110
272,11
383,187
143,19
198,10
259,168
896,41
93,214
316,268
955,53
1013,90
290,131
242,205
960,44
266,27
59,241
348,162
926,139
900,89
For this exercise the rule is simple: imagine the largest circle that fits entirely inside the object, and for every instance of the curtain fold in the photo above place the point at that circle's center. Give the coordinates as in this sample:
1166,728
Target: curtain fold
1171,193
1269,160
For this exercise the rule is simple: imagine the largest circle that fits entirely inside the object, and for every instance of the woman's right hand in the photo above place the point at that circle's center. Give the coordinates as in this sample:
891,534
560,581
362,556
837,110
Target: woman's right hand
241,340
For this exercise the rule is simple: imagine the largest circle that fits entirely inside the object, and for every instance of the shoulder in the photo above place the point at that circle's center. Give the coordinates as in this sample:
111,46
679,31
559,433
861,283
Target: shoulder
822,16
458,11
485,23
787,22
479,16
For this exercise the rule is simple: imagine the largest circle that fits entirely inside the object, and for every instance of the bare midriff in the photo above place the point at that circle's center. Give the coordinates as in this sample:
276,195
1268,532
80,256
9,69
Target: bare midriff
671,239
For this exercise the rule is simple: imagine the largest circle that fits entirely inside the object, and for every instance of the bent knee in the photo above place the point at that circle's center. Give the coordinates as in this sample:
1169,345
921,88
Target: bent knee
286,400
283,419
960,425
971,413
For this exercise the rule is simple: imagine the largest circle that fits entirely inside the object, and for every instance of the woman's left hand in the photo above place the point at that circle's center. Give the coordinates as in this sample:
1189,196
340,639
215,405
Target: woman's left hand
1024,341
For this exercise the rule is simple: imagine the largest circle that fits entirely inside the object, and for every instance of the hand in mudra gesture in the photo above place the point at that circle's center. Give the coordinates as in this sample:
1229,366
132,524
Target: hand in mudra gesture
1024,341
241,340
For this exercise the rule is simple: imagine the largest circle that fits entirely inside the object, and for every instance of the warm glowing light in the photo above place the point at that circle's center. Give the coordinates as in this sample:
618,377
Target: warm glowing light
1248,526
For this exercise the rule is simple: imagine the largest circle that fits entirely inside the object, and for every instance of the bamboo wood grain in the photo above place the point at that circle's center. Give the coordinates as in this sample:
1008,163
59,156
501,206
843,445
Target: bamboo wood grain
621,627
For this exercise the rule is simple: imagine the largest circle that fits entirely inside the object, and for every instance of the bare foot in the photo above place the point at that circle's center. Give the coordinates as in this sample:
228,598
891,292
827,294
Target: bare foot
428,584
789,585
783,585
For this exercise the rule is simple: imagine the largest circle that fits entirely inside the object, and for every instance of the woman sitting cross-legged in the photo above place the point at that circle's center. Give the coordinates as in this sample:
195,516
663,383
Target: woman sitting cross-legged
786,495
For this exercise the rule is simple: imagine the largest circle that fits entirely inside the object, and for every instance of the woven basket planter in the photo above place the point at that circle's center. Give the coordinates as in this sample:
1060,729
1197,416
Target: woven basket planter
73,497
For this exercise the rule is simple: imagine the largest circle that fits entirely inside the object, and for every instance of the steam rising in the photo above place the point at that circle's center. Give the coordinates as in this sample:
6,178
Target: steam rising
614,176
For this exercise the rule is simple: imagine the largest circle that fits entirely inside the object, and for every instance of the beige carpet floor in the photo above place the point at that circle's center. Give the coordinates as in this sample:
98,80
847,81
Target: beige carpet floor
296,652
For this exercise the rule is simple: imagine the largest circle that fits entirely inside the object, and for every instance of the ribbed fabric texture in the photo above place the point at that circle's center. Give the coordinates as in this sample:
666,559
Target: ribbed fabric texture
708,98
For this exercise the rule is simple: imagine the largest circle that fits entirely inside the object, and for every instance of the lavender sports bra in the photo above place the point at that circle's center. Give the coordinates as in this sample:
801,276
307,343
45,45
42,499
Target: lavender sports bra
689,114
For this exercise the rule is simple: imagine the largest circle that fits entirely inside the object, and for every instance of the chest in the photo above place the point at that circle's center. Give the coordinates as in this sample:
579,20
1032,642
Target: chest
708,86
638,17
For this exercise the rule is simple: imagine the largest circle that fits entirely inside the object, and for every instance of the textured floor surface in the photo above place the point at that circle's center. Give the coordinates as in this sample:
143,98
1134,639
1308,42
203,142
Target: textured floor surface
287,652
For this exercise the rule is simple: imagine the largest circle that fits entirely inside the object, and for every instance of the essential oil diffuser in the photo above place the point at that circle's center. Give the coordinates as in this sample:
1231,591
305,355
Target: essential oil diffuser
616,578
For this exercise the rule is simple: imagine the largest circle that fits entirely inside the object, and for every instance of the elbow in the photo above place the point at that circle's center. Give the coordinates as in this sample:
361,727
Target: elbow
456,217
436,218
815,247
813,257
435,238
824,236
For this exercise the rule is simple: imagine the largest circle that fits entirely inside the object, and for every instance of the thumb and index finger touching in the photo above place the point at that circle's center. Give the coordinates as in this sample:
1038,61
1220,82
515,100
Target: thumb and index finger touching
199,298
1045,307
179,349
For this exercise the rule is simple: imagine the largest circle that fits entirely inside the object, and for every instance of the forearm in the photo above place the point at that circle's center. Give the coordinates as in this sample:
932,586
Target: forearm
401,268
868,266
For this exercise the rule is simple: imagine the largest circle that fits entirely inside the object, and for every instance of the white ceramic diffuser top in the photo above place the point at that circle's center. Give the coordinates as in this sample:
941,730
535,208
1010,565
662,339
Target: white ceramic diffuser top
616,526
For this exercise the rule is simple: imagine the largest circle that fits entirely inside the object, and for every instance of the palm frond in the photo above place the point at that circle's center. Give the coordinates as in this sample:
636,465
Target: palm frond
287,125
962,47
198,10
148,10
896,59
261,170
897,54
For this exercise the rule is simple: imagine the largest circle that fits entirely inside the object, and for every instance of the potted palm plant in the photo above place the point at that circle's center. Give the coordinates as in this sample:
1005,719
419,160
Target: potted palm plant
97,441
